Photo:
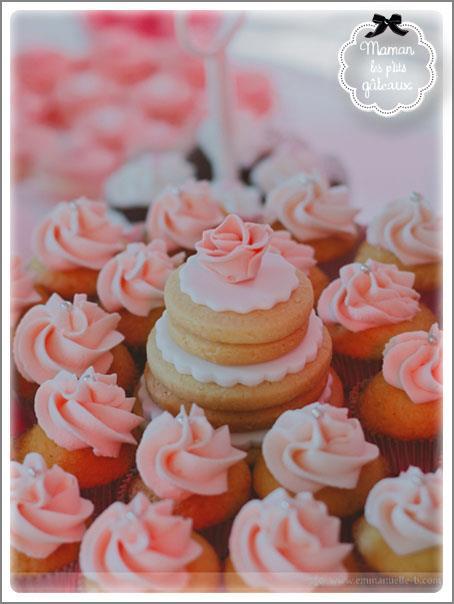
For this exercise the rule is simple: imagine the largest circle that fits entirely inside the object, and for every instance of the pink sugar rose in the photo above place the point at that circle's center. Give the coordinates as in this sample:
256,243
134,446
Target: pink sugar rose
235,248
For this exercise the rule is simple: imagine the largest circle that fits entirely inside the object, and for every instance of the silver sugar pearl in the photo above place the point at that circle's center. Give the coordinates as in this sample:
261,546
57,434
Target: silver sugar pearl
66,305
130,516
364,268
317,410
416,480
285,504
416,197
31,471
432,339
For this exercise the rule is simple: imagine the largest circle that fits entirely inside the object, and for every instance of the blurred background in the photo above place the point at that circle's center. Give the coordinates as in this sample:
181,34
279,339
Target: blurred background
90,90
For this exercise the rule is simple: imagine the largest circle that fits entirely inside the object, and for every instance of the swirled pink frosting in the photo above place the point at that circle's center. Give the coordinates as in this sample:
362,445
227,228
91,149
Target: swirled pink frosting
60,335
135,278
298,254
23,293
234,249
90,411
317,446
406,510
310,209
180,215
78,234
184,455
369,295
413,362
409,229
139,546
282,543
46,507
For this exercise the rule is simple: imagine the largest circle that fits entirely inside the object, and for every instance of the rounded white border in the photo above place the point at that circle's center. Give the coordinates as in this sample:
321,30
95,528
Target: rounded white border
400,106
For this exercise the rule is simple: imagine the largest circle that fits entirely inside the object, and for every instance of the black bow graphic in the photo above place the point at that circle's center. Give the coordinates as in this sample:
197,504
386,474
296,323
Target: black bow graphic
382,23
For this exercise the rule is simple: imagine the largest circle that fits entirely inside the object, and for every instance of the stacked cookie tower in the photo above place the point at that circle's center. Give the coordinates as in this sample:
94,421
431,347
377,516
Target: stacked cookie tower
239,337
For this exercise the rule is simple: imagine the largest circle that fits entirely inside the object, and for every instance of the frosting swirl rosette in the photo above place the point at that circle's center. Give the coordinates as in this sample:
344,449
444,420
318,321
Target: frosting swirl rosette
284,543
317,446
90,411
234,249
23,293
310,209
288,159
409,229
78,234
369,295
298,254
63,335
46,507
184,455
139,546
406,510
135,278
180,215
413,362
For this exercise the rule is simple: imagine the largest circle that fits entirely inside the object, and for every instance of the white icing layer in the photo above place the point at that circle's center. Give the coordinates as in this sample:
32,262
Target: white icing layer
248,375
274,283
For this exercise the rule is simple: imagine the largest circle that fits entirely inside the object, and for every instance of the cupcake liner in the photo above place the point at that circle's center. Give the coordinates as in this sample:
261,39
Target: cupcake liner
352,371
400,454
64,580
101,496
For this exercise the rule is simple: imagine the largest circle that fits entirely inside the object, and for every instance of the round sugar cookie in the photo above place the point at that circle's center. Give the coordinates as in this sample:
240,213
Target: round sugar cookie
255,327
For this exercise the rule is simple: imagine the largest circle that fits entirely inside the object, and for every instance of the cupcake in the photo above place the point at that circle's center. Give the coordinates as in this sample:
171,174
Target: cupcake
60,335
315,214
185,459
145,547
134,186
214,346
48,516
407,233
321,450
180,215
86,425
132,283
23,292
401,530
72,244
285,543
362,309
302,257
401,407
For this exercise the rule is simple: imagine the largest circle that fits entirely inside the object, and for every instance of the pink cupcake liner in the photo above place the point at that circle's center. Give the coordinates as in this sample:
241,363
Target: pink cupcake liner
65,580
352,371
400,454
101,496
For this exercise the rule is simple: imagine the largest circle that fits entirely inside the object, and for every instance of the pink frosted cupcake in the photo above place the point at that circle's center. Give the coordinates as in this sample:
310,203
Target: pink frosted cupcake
85,425
401,407
362,309
401,530
285,543
23,293
204,474
146,547
302,257
61,335
316,214
72,243
48,517
181,215
132,283
339,468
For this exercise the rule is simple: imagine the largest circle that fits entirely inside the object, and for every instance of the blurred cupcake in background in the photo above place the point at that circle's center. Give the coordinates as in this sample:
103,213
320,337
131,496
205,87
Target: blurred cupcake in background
84,424
339,469
72,243
362,309
401,530
23,292
48,517
317,215
133,187
132,283
71,336
401,407
180,215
